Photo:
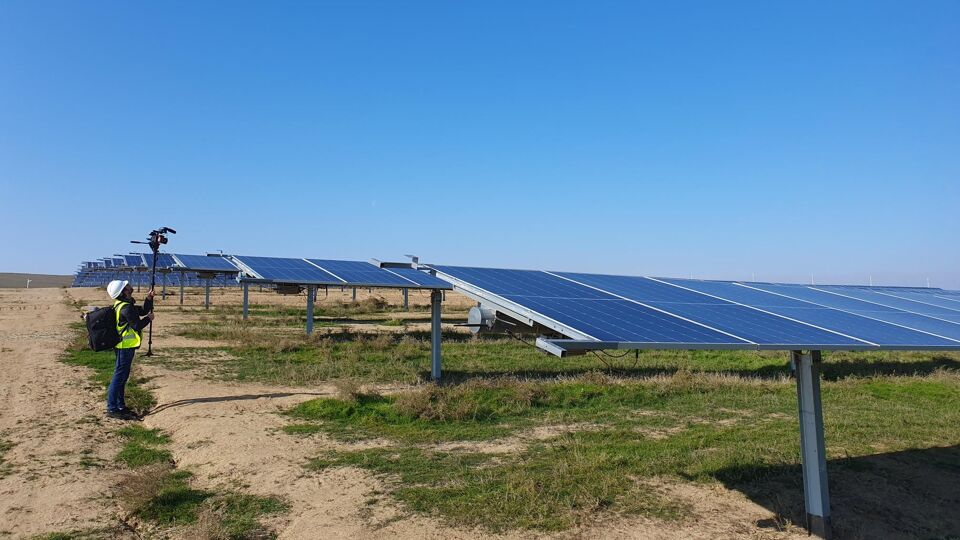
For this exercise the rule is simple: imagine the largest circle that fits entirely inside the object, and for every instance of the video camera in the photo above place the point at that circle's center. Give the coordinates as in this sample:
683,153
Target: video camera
156,238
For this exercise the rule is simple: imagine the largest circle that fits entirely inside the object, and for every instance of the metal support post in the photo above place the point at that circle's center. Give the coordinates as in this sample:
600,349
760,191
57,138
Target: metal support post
181,288
354,294
812,447
406,299
206,295
163,292
246,301
436,297
311,292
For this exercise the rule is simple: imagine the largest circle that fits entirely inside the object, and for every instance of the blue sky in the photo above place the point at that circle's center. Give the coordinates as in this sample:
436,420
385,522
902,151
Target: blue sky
724,140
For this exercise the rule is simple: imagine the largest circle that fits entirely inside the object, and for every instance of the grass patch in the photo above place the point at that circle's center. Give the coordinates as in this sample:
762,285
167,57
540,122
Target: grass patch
165,498
680,427
78,353
239,515
142,447
5,468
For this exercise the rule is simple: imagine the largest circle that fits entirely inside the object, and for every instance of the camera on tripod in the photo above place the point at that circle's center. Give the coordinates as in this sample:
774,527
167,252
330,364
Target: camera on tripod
158,237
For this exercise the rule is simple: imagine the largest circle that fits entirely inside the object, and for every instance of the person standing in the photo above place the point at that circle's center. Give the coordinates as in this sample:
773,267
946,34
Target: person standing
131,320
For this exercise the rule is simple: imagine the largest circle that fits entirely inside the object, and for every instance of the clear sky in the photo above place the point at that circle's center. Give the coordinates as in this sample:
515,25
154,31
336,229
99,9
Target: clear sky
725,140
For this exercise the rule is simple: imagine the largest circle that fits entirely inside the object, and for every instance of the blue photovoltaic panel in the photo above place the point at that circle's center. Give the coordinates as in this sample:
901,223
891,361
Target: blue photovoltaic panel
288,270
865,309
927,298
741,321
361,273
520,282
600,315
164,260
204,262
849,323
634,311
420,277
133,260
894,302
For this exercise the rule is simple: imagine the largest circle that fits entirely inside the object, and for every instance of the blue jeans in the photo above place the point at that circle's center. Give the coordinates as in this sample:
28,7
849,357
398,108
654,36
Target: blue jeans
121,373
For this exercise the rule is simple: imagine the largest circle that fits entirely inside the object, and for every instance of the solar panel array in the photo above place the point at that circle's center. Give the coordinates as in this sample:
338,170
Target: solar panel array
178,268
327,272
211,263
646,312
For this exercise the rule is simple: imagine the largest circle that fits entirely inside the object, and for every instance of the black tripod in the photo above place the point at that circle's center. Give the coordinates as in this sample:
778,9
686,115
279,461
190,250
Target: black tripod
156,238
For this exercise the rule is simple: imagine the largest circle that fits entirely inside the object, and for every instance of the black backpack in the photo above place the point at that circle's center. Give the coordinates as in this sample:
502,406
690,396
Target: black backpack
102,329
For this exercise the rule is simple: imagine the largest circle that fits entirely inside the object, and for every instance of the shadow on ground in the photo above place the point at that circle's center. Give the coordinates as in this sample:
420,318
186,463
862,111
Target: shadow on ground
831,371
911,494
218,399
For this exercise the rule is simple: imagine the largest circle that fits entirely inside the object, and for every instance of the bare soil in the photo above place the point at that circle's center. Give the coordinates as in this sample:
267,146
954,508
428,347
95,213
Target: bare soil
229,435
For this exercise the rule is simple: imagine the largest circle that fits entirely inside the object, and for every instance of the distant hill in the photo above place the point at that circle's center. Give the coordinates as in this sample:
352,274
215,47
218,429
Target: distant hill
11,280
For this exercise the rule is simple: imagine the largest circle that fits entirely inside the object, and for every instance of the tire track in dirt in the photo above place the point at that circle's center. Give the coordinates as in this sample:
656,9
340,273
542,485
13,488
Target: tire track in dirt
61,464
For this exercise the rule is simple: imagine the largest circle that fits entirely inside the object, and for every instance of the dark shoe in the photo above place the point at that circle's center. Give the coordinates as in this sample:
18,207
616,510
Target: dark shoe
125,414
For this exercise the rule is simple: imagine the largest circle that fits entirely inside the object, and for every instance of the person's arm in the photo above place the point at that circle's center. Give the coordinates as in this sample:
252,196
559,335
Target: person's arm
129,315
147,306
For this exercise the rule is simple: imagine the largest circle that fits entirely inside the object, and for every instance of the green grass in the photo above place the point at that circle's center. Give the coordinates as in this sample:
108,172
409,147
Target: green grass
683,426
143,446
178,504
78,353
242,512
5,468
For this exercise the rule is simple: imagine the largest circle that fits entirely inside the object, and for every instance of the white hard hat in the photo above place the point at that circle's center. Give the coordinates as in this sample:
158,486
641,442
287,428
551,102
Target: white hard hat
116,287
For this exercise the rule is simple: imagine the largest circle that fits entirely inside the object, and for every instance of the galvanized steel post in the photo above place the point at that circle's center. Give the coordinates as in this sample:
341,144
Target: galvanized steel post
311,290
436,297
812,447
206,295
246,300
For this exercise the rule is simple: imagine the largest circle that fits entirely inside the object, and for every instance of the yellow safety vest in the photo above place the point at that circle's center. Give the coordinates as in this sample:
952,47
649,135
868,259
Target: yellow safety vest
129,338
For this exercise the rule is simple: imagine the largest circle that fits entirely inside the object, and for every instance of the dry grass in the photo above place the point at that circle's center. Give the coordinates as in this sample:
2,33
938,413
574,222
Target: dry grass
209,524
138,487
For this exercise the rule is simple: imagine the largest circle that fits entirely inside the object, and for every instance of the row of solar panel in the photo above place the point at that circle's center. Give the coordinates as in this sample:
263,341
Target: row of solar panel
630,309
291,270
209,263
173,279
331,272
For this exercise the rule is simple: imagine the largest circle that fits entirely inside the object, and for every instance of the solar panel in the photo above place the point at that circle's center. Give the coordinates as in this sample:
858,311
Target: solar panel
892,316
420,277
133,260
794,302
644,312
205,262
926,298
361,272
890,301
164,260
589,312
283,270
755,325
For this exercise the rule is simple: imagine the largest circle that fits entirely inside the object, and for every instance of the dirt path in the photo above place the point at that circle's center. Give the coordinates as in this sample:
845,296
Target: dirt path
61,464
